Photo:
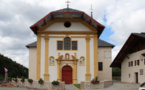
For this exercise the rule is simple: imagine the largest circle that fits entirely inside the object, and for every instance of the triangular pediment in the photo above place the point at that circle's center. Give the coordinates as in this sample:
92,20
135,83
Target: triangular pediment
74,26
67,14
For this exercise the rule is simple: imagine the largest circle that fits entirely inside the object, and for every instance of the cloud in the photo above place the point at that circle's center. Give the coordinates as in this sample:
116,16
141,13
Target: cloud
124,18
16,16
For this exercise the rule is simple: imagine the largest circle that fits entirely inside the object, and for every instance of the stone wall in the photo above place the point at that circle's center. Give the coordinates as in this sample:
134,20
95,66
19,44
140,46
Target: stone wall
89,85
36,85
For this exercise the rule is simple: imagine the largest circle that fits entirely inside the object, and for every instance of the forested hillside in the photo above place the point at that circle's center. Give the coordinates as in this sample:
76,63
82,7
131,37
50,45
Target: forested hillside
14,68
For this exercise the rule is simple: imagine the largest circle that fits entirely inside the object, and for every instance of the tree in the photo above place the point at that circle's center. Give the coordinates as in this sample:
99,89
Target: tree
14,68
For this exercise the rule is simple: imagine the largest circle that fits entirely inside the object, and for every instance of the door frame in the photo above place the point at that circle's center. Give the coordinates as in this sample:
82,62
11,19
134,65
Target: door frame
72,72
136,77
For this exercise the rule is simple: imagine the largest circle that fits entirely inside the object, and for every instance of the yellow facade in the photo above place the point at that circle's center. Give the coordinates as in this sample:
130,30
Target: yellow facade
95,55
88,74
87,35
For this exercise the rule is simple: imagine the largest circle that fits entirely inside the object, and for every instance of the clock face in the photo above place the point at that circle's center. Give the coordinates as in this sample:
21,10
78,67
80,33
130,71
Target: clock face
107,54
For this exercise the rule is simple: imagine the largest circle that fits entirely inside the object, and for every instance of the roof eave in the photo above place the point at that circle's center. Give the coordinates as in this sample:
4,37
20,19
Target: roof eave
122,50
100,27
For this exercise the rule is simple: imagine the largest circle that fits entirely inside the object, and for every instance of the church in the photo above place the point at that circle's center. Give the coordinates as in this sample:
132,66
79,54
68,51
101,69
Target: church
68,48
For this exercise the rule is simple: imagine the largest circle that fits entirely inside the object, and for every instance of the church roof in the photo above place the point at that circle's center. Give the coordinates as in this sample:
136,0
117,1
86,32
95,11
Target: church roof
67,13
34,44
101,43
134,43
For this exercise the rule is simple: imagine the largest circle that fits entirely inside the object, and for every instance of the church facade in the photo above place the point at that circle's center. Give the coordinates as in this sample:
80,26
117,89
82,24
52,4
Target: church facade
68,48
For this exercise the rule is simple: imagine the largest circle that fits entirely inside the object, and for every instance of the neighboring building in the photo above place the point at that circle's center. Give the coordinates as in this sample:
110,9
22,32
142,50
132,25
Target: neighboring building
131,59
68,48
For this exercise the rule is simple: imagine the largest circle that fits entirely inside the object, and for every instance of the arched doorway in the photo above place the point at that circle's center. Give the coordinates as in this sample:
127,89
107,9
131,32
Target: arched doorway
67,74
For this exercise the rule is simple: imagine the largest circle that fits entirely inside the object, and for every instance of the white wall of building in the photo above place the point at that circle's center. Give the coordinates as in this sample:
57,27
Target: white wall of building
92,58
32,62
42,58
106,73
75,26
81,70
126,70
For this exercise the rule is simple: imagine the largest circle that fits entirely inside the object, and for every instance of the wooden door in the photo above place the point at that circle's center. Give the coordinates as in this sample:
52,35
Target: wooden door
67,74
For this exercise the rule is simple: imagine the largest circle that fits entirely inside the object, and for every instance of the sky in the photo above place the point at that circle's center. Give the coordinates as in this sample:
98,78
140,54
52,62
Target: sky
120,18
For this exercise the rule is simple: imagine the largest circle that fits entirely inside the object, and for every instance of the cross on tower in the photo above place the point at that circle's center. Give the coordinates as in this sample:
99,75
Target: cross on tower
67,3
91,11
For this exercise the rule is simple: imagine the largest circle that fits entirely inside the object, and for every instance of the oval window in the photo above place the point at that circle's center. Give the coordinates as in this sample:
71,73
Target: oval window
67,24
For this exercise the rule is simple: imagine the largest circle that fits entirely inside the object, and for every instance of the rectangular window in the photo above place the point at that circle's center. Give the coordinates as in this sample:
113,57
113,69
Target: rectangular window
59,45
138,62
74,45
129,64
135,63
100,66
141,71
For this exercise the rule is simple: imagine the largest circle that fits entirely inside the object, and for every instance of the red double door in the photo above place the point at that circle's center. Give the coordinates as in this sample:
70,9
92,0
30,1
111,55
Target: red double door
67,74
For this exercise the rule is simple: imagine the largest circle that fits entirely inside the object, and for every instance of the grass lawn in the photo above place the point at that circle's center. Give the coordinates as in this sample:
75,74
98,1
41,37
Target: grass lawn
78,85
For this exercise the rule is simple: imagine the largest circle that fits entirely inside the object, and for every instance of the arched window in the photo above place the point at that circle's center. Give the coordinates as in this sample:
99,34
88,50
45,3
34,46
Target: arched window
67,43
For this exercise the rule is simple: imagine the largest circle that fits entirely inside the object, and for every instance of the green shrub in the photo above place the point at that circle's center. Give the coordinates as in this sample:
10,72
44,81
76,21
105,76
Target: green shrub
41,81
23,80
95,80
55,83
1,77
30,81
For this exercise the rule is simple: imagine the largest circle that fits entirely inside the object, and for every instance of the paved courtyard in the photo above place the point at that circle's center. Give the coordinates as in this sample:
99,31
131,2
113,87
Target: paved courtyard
115,86
122,86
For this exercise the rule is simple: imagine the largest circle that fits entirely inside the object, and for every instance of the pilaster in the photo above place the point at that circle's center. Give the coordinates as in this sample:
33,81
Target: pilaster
95,55
88,74
75,73
38,56
46,74
58,71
